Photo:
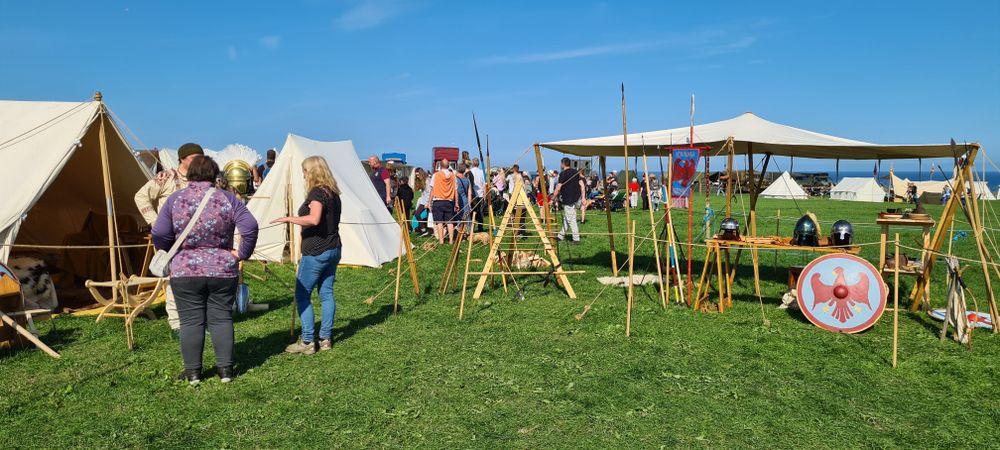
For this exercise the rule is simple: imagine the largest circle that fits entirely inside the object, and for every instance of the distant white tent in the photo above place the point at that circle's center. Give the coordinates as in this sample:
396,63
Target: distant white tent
51,172
984,192
784,187
899,186
369,234
858,190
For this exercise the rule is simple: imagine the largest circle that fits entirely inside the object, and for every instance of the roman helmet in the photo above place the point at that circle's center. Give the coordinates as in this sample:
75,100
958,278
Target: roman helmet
805,232
237,174
729,229
842,233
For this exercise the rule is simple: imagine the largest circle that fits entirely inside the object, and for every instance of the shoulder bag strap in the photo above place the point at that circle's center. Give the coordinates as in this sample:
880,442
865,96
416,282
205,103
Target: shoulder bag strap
194,219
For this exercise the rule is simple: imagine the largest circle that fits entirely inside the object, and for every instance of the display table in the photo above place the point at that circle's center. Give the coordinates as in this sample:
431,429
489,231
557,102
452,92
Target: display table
717,247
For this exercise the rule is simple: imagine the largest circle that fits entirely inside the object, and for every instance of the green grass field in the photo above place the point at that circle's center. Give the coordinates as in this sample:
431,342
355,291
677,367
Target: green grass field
526,373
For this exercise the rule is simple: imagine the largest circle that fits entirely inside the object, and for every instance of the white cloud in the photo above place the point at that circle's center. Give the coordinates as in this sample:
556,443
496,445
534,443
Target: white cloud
231,53
369,13
692,45
581,52
271,42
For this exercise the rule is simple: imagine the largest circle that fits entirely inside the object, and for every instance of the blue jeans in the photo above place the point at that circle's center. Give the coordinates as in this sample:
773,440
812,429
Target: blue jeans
319,270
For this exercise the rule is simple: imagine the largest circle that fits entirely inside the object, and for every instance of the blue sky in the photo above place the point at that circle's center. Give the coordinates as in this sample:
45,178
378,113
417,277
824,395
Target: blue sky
398,75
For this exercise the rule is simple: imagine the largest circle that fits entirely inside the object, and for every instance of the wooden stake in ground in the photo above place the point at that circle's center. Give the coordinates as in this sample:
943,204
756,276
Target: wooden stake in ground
652,227
895,305
399,271
465,277
631,259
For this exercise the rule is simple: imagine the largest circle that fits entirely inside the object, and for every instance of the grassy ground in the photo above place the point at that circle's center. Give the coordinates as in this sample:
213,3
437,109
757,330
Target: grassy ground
525,373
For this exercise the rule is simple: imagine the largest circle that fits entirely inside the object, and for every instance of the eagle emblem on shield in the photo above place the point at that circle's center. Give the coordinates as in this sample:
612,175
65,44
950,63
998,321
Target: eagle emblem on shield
842,293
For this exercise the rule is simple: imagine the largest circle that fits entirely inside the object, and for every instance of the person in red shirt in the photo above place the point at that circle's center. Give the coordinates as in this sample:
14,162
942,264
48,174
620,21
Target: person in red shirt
633,193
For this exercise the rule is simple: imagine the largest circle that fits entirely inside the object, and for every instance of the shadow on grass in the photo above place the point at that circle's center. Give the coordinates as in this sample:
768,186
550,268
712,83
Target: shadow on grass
254,351
56,338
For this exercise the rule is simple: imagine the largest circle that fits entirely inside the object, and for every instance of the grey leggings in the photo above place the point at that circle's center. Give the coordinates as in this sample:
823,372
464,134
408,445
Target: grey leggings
204,302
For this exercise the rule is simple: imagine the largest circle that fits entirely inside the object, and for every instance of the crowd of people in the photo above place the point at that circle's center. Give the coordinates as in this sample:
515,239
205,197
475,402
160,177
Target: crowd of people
438,201
192,213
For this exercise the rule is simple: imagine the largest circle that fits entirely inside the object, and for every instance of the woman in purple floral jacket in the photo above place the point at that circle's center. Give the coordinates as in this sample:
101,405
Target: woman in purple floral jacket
204,274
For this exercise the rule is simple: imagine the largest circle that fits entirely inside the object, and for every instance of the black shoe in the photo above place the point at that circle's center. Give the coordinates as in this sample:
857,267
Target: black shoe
577,242
192,376
226,374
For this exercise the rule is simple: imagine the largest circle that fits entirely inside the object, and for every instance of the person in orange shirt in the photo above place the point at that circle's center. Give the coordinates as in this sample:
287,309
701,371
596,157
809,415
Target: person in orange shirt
443,204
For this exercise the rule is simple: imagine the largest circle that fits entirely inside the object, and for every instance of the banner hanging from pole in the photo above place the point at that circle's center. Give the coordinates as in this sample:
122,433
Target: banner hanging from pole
685,168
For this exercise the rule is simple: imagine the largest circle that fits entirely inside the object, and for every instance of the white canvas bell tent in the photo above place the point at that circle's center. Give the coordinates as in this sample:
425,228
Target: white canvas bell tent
51,172
858,189
369,234
899,186
784,187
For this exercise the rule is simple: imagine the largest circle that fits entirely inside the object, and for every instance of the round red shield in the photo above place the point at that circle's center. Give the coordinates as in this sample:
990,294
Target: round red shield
842,293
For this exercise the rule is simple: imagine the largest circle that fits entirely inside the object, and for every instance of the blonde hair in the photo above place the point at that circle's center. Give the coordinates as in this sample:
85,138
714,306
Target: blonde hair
318,174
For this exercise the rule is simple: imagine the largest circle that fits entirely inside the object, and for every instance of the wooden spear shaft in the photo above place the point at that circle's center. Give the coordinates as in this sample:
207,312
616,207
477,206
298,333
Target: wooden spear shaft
631,253
607,209
652,227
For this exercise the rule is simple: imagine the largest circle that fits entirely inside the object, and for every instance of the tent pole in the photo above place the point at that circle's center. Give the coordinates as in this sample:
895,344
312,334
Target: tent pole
603,161
108,200
291,239
729,181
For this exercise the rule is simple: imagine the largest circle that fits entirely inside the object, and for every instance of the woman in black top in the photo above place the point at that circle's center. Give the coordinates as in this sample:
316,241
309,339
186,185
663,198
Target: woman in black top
319,217
405,194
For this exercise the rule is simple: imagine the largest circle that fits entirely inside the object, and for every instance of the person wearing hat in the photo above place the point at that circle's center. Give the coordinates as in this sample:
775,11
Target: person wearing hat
264,169
153,195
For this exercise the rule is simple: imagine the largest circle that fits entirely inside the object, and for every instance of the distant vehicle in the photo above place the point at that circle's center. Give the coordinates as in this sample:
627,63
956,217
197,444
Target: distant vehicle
449,153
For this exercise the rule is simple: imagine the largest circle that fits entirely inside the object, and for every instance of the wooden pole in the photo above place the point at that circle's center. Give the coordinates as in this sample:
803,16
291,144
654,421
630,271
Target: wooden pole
652,227
631,259
465,278
292,247
543,179
108,198
489,206
729,180
628,202
28,335
972,214
607,209
399,260
895,305
109,202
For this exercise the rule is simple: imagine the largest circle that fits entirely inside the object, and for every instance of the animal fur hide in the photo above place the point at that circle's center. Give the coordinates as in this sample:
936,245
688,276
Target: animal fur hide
523,260
36,284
